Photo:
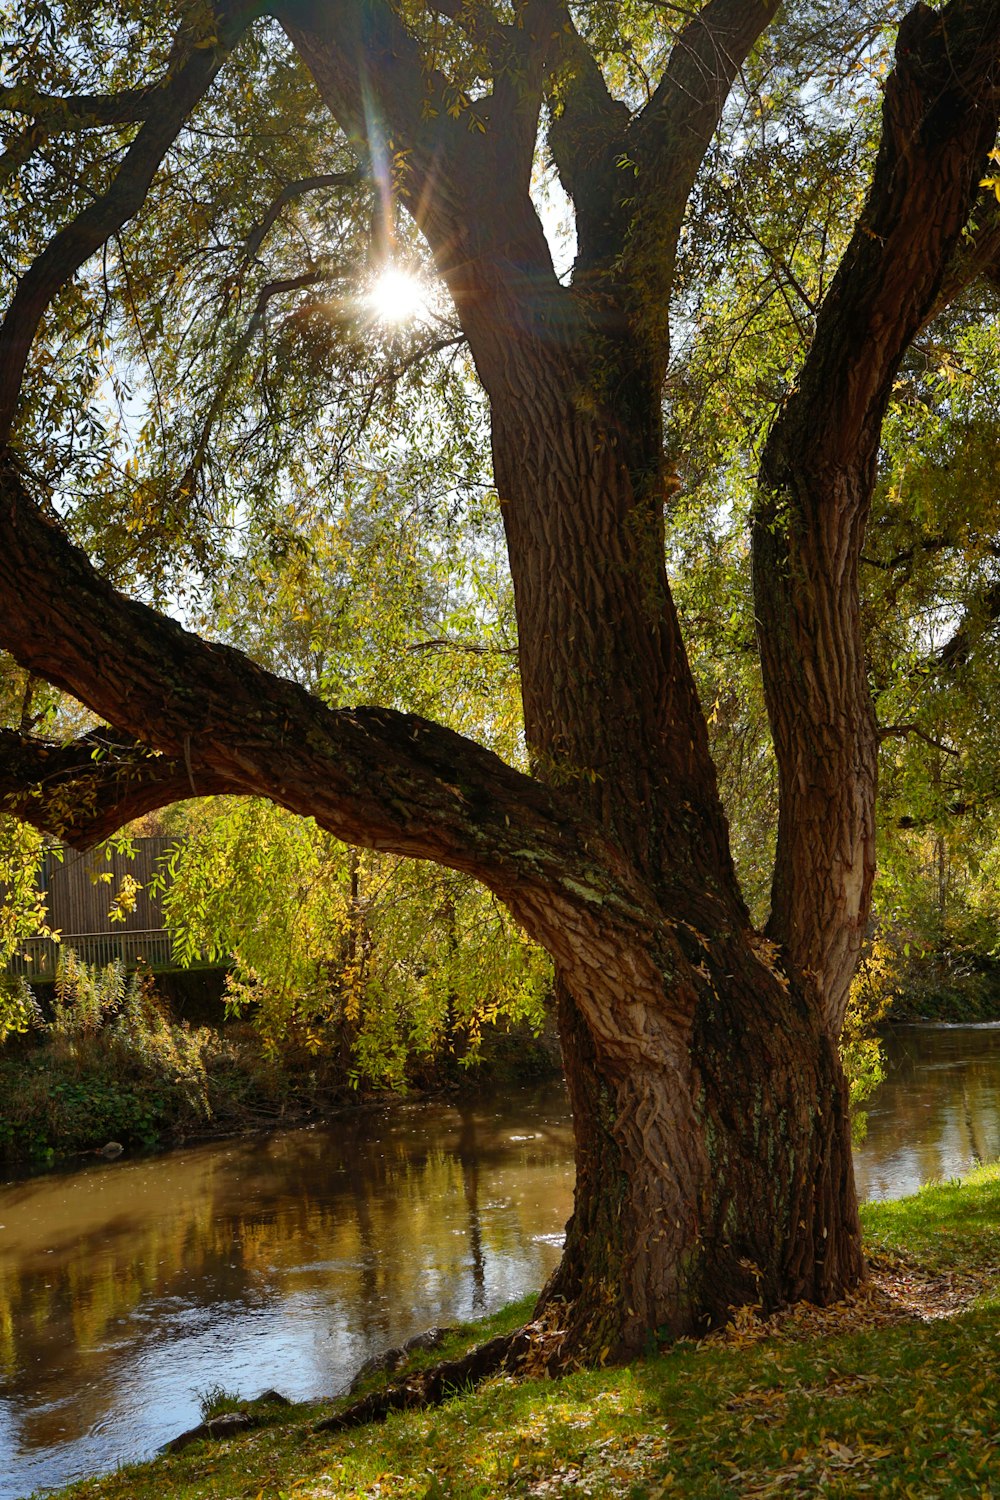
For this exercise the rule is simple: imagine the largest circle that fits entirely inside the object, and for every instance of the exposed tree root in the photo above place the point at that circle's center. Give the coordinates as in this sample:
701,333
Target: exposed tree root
534,1349
895,1292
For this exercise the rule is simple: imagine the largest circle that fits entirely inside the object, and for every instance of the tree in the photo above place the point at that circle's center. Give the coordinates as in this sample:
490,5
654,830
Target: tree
713,1144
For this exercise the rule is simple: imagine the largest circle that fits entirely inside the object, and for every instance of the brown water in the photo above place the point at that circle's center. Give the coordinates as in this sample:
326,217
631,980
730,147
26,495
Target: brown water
129,1287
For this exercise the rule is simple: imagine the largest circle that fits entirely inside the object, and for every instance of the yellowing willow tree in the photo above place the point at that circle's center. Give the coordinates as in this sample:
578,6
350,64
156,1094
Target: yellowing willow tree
713,1144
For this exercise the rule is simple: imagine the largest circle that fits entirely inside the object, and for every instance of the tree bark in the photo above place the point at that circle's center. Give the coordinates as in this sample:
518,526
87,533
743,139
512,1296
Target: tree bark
713,1172
939,120
712,1131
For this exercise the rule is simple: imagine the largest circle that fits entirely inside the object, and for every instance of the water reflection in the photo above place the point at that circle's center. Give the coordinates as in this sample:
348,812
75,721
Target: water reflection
286,1261
936,1114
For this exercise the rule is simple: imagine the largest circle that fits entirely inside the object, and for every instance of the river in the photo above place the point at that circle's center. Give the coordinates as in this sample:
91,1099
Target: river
129,1288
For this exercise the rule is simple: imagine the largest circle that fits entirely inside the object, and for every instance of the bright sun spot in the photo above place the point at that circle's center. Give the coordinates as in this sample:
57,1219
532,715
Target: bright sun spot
396,296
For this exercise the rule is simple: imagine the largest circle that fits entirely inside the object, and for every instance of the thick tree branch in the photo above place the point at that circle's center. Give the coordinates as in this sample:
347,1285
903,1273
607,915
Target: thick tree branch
79,111
940,117
630,177
373,75
587,137
463,173
84,791
939,121
702,68
479,23
21,149
668,139
67,251
906,555
371,776
376,79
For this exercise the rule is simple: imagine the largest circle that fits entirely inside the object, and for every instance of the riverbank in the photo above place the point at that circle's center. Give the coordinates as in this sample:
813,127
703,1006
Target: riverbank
126,1069
893,1393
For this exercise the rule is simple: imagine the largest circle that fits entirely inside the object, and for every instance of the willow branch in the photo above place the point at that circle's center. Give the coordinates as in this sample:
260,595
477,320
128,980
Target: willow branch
84,791
79,111
68,250
905,731
294,190
223,386
21,150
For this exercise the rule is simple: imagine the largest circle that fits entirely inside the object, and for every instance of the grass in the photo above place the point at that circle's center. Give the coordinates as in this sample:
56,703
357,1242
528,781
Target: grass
895,1393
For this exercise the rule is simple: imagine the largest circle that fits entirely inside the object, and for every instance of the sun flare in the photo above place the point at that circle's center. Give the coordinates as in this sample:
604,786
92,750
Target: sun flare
397,297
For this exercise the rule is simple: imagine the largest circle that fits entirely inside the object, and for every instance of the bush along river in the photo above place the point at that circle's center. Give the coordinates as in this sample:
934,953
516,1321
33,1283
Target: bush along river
130,1289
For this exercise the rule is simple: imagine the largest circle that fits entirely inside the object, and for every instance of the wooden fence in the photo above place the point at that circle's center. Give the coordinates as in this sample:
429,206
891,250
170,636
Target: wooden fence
79,896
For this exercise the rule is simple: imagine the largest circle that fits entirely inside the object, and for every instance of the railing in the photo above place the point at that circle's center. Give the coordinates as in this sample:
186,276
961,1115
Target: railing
39,957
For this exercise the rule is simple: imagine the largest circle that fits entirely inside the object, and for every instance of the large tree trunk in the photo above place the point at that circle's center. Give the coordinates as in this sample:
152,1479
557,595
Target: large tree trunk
712,1132
713,1153
718,1177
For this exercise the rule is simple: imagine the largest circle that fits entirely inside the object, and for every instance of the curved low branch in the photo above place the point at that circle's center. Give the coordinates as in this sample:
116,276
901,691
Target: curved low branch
506,1354
371,776
82,792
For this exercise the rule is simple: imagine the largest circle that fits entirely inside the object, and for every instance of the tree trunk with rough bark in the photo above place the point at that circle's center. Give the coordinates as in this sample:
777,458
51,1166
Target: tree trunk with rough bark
713,1139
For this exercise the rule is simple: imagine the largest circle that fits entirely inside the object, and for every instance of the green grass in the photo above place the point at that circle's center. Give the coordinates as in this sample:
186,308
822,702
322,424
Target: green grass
951,1227
838,1403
